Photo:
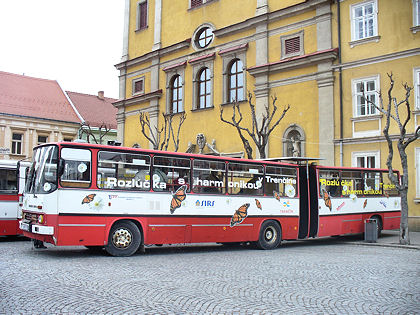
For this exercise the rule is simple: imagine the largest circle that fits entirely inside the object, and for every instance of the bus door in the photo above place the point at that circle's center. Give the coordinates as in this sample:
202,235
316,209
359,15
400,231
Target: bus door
308,211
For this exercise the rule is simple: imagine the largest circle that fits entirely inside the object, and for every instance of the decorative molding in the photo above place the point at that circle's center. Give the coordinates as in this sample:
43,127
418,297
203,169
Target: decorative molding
364,41
377,59
366,118
203,58
295,62
154,54
233,50
175,66
138,99
367,139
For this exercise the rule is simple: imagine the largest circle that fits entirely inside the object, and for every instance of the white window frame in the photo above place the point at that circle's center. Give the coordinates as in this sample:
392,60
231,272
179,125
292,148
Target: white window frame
16,142
355,94
365,154
416,81
416,16
283,45
417,166
353,8
134,84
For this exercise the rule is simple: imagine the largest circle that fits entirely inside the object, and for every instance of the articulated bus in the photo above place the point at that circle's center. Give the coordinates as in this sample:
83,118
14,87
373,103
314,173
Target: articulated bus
122,199
12,182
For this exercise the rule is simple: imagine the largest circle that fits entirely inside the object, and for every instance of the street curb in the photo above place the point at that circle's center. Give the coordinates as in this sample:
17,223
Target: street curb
385,245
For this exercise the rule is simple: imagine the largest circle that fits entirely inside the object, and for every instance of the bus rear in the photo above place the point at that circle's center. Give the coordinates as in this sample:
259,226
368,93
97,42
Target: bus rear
11,187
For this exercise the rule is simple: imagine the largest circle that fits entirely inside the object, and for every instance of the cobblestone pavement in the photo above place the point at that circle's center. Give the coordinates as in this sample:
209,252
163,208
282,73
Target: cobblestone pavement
316,277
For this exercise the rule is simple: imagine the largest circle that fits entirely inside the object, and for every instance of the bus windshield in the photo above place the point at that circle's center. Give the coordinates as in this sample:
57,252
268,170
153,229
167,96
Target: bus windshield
42,177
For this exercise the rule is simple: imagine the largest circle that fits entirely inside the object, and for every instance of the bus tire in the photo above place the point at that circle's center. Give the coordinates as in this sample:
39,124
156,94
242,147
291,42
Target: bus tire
124,239
270,235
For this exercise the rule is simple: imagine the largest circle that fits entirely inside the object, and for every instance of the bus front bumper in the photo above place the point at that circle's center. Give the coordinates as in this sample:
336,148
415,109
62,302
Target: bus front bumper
36,229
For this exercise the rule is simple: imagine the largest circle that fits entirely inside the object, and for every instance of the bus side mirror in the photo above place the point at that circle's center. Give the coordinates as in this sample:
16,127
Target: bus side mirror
60,170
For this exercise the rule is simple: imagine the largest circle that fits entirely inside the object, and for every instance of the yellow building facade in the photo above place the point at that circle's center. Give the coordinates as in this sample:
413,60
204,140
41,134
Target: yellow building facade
198,56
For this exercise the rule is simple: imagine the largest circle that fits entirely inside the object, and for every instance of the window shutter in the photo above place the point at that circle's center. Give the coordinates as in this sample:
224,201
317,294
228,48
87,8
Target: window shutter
292,45
143,15
196,3
138,86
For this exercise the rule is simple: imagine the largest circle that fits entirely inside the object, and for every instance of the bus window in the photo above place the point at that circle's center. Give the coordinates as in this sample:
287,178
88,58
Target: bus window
119,170
209,176
77,164
352,183
389,189
372,183
245,179
281,180
8,181
329,181
170,173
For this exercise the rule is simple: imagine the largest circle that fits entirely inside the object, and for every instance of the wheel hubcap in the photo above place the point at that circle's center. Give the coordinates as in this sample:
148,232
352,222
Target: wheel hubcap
270,235
122,238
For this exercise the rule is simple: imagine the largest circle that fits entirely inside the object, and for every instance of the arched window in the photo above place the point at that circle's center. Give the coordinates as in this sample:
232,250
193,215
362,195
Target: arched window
176,95
236,81
204,88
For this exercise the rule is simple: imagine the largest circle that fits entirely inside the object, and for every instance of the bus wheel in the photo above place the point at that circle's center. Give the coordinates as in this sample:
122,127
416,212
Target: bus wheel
124,239
270,235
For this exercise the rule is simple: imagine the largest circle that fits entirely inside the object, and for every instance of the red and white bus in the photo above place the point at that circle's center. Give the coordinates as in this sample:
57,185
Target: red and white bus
124,198
12,182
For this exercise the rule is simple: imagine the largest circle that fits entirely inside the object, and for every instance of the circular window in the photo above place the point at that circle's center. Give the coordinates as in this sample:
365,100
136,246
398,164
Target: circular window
204,37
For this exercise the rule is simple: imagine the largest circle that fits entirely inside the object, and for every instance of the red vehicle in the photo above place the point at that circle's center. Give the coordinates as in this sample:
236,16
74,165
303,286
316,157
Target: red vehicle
12,182
123,198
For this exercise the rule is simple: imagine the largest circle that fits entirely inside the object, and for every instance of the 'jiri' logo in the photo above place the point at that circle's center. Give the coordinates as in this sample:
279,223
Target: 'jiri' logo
204,203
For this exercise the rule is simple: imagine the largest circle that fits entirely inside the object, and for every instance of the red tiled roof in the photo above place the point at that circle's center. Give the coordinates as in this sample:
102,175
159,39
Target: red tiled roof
34,97
94,110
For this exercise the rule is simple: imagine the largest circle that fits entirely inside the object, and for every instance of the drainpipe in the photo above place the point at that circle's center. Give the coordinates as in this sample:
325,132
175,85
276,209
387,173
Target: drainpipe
340,81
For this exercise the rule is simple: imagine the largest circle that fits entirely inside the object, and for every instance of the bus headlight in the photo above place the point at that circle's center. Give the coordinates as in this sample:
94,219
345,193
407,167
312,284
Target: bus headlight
41,219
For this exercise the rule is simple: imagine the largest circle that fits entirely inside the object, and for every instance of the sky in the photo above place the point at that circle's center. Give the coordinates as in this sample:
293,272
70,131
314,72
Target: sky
76,42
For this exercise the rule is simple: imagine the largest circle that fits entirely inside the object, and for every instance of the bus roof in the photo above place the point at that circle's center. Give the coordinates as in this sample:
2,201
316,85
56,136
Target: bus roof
150,151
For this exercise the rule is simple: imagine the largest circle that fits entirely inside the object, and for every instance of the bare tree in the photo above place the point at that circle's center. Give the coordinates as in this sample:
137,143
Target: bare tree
160,137
392,110
90,132
259,132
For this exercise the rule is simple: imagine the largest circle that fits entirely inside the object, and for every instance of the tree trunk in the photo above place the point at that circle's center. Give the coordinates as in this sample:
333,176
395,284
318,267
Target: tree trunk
404,236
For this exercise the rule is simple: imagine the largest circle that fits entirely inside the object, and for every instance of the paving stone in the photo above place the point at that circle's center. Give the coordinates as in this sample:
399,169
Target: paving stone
321,277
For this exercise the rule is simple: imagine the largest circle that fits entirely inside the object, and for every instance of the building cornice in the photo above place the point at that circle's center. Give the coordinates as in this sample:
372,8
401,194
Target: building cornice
373,139
138,99
154,54
270,17
41,119
378,59
294,62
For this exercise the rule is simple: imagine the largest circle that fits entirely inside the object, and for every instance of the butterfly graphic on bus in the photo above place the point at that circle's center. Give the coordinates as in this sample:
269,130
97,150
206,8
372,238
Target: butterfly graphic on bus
365,204
239,215
258,203
327,199
88,198
177,198
276,195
